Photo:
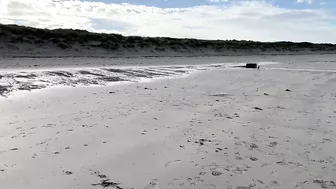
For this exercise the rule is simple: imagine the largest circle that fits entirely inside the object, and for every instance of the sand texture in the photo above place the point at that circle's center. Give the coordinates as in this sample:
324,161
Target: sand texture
200,125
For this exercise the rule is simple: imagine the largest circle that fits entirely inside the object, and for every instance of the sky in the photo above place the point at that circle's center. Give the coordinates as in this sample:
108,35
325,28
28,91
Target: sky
260,20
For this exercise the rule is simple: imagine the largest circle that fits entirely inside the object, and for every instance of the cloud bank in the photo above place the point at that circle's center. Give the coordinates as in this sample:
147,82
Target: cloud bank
248,20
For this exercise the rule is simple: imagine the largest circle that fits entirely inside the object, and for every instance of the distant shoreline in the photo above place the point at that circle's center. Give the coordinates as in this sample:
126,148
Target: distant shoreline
158,56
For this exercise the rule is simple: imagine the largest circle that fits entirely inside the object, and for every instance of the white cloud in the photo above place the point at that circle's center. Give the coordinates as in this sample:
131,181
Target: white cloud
217,1
307,1
250,20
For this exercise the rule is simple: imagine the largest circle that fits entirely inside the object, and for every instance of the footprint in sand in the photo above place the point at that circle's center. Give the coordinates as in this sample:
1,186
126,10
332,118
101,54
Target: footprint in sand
172,162
274,183
325,140
152,184
330,159
210,186
252,146
273,144
325,184
202,173
34,156
239,158
195,181
188,181
251,186
175,183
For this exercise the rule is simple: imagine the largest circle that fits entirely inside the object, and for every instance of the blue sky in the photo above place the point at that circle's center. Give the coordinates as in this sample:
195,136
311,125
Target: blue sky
261,20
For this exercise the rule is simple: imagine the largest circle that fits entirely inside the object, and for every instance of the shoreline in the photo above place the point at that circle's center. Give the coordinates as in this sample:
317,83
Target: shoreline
166,56
60,62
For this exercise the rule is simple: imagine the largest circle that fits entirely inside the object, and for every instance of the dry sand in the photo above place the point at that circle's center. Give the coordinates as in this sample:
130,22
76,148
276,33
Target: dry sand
219,127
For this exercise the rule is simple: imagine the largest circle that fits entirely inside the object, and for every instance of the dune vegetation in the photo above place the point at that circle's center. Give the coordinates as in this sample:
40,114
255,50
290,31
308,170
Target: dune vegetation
27,41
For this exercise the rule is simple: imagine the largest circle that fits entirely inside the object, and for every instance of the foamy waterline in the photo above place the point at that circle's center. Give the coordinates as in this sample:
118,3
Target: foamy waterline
31,79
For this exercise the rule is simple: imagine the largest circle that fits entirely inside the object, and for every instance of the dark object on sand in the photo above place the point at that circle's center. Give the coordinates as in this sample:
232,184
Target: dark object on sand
288,90
106,183
257,108
253,158
216,173
251,65
68,173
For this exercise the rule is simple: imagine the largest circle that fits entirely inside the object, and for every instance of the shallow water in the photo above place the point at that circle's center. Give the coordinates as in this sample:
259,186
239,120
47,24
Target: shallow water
31,79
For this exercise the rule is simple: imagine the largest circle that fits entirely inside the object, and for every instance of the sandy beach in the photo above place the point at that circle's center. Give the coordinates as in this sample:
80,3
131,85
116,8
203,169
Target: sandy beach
187,123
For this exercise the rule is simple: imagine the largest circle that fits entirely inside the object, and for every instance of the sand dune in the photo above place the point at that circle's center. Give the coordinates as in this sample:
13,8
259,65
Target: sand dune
20,41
